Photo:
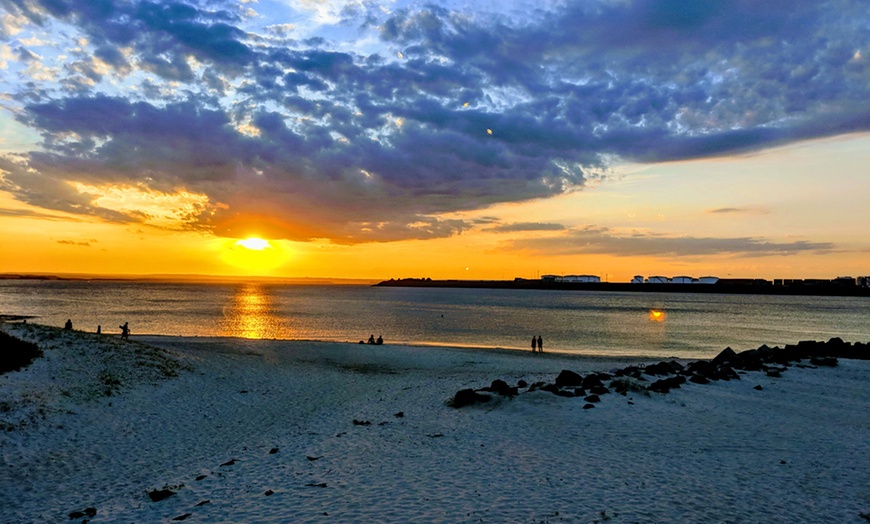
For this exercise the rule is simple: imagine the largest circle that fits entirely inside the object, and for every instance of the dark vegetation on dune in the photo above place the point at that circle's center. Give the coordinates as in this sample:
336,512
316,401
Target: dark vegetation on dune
16,354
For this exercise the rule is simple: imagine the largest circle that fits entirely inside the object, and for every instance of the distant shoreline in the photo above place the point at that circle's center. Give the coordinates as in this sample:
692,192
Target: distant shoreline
832,290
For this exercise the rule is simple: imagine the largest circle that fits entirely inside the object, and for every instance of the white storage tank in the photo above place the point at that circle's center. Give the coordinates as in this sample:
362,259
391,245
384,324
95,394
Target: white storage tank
708,280
657,280
638,279
681,280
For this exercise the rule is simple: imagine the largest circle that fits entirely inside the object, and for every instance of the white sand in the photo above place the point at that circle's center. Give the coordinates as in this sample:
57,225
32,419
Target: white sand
797,451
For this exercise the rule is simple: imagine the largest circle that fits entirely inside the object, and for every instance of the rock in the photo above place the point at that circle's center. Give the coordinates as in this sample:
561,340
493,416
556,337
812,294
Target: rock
724,357
551,388
757,388
229,462
592,380
183,517
400,414
160,494
726,373
579,392
568,378
268,492
202,503
522,384
599,390
501,387
592,398
773,373
661,368
312,459
273,451
588,406
824,361
201,477
87,512
699,379
630,371
666,384
316,485
467,397
361,422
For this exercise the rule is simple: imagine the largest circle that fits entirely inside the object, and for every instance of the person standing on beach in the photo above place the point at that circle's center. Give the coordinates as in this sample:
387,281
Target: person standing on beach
540,344
125,331
534,343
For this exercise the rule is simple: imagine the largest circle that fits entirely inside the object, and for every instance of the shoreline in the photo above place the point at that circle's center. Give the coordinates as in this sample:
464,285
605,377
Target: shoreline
824,290
254,430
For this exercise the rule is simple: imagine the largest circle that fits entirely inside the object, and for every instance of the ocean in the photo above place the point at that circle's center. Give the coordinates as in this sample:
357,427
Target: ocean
654,325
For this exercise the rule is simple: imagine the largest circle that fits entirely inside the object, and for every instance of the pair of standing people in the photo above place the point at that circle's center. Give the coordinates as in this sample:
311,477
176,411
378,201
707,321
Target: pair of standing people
537,344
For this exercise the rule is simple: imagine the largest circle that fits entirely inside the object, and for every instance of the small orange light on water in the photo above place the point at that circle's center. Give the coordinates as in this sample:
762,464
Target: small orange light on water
657,315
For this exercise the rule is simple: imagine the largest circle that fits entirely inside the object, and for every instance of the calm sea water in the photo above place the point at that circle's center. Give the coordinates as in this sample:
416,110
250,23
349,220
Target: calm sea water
600,323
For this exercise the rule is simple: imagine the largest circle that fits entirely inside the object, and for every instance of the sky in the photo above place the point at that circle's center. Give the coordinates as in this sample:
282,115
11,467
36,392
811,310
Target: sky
451,139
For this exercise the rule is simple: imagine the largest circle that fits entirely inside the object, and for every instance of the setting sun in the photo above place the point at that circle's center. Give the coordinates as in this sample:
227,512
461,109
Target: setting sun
256,244
256,256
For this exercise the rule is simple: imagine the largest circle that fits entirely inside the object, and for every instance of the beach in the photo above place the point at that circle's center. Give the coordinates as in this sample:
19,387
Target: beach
162,429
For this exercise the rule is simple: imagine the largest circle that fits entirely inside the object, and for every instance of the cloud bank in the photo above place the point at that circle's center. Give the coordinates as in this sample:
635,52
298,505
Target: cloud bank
376,121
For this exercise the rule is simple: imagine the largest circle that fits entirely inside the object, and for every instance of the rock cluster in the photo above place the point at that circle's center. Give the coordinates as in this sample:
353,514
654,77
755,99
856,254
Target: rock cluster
727,365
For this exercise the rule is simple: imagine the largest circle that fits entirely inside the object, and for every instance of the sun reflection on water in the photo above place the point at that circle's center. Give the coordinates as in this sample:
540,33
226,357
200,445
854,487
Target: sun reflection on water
252,314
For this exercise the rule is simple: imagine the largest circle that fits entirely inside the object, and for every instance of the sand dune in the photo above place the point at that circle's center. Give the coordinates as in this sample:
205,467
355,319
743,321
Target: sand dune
277,431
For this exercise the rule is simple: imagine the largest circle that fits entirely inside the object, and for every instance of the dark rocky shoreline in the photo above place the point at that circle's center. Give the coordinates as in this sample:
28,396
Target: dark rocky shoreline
663,376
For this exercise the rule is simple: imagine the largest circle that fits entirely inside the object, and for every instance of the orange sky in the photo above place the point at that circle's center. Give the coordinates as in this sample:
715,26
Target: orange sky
706,217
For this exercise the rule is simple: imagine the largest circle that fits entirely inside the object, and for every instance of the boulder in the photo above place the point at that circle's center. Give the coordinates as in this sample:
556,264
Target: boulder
724,357
568,378
699,379
592,398
594,379
661,368
599,390
157,495
824,361
501,387
666,384
467,397
588,406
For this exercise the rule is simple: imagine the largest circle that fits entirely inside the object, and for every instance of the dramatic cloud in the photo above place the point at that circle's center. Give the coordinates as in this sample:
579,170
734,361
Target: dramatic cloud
598,240
527,226
738,211
367,122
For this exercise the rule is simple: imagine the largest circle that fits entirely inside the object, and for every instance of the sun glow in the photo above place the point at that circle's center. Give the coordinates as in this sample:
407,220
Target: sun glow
657,315
255,255
256,244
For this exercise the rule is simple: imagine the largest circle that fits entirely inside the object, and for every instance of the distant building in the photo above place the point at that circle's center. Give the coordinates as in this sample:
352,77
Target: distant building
586,279
551,278
708,280
863,281
845,281
657,280
638,279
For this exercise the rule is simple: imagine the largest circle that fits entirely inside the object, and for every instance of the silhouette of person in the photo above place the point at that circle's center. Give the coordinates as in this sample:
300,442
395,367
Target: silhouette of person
371,339
380,340
540,344
68,325
99,330
534,344
125,331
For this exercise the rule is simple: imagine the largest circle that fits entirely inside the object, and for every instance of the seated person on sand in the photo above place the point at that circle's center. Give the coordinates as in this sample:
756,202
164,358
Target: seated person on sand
68,325
380,340
372,339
